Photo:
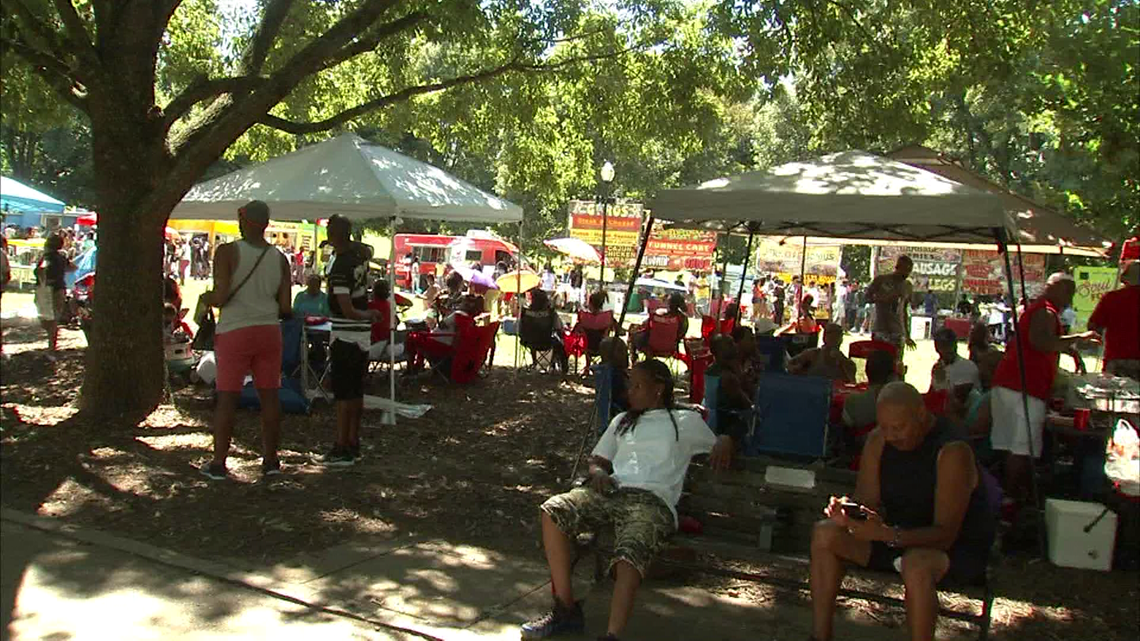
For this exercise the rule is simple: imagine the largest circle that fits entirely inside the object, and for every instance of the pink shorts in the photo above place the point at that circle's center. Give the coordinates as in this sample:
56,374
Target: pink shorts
254,349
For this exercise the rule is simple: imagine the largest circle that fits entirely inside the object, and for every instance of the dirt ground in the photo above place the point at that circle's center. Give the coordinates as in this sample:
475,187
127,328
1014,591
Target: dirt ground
472,470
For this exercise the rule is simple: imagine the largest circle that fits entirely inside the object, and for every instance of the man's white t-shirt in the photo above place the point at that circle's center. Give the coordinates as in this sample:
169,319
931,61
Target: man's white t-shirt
962,371
651,456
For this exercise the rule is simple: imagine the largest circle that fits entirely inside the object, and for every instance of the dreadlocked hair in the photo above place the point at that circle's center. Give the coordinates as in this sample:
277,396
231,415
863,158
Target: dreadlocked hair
660,374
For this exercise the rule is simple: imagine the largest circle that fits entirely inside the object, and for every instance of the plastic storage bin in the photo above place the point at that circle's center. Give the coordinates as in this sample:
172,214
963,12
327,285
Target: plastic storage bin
1069,545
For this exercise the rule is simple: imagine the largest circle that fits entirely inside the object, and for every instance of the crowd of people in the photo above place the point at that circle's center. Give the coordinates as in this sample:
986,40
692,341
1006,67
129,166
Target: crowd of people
921,505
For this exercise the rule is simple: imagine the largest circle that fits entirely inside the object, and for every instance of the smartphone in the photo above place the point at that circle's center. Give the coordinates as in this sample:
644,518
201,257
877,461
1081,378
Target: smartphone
853,510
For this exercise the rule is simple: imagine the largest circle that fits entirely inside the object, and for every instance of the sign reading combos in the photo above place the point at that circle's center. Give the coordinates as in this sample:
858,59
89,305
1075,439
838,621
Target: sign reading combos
935,268
983,272
784,259
668,249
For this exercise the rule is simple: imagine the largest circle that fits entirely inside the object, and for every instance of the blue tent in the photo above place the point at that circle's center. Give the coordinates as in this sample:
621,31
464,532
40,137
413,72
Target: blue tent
84,264
22,205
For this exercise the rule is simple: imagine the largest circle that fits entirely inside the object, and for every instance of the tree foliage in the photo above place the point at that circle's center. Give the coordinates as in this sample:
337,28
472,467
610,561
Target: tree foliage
528,99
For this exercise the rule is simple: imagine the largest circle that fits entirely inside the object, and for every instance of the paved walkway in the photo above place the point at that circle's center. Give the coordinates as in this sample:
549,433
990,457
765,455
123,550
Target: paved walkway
64,583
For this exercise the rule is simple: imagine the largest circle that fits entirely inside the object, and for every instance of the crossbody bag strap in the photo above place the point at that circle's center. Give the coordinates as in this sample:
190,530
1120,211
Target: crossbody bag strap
243,281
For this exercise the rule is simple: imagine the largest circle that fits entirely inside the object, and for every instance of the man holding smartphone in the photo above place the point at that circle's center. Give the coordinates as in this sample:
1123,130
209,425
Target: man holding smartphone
920,509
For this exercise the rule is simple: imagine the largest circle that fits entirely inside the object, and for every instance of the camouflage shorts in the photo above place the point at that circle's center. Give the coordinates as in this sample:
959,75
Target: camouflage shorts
641,521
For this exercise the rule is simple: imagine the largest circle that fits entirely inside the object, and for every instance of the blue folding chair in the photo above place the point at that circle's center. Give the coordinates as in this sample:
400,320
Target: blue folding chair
290,394
792,415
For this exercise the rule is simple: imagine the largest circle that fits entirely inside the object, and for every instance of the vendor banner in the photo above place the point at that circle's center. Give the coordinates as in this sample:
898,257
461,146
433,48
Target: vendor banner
1092,284
668,248
783,258
935,268
983,272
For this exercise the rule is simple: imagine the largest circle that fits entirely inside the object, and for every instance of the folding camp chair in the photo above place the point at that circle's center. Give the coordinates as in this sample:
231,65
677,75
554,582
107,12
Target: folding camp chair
602,411
799,342
536,334
291,394
313,373
713,415
664,337
593,328
383,361
472,346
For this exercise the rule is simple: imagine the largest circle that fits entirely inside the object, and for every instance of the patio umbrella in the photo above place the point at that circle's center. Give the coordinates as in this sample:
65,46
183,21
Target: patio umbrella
575,248
516,282
474,276
662,284
90,219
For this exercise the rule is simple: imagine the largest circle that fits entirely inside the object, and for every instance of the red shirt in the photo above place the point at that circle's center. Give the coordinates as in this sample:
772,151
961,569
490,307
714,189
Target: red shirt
380,331
1118,312
1040,367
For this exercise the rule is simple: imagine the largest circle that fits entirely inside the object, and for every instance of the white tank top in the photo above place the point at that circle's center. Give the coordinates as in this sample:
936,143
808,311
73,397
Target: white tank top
256,302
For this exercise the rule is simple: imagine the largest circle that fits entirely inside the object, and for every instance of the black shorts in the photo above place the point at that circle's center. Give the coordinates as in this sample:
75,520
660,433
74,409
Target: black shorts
967,567
349,365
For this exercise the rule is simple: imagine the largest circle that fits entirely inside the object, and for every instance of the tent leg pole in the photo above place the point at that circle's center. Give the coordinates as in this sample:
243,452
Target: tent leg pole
518,298
743,271
720,288
1003,247
390,417
636,268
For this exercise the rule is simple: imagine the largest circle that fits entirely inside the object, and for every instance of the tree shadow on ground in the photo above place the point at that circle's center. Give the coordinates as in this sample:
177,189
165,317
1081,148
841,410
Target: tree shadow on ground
472,471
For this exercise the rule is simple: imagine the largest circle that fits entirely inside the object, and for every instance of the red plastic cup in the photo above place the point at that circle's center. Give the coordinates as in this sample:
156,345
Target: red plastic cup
1081,419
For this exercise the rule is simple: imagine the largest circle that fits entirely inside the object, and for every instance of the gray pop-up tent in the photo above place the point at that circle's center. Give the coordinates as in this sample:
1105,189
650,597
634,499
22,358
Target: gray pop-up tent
854,195
350,176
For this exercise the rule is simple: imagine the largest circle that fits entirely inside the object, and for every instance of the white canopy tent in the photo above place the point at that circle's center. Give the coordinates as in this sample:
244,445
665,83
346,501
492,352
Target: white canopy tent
852,194
350,176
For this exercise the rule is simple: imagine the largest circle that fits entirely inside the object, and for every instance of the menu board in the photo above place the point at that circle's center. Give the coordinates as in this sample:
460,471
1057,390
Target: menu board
935,268
785,258
983,272
668,248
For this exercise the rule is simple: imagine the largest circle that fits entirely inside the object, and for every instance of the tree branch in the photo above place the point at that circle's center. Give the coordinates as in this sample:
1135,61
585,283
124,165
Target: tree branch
77,36
267,30
52,70
202,89
850,13
411,92
373,40
312,56
33,26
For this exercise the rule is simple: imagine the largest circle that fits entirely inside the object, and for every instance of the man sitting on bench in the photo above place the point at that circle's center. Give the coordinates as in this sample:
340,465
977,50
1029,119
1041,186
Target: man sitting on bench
920,508
636,475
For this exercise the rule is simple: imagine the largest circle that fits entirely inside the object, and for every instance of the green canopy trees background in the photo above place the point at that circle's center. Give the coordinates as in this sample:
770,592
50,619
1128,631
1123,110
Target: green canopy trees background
122,106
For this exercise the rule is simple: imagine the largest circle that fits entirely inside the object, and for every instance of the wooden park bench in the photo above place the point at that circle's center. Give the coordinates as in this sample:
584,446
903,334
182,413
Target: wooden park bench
748,517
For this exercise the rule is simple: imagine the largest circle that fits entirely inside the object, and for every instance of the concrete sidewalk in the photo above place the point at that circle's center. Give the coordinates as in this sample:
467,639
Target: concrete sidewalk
61,582
55,587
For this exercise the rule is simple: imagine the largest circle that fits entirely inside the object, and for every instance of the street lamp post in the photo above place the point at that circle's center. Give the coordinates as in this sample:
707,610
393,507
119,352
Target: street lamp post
607,176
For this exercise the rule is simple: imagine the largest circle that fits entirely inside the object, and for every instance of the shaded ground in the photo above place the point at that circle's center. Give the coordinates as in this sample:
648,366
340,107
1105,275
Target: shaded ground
472,470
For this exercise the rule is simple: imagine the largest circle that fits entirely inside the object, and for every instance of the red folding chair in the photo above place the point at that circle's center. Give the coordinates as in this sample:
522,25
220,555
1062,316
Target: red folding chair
586,337
472,346
863,349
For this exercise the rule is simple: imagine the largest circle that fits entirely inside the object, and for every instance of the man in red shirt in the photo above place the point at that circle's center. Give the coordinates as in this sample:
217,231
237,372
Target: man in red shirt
1041,342
1117,317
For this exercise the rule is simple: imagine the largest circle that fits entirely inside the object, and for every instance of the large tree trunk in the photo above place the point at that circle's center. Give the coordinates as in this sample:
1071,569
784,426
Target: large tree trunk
124,369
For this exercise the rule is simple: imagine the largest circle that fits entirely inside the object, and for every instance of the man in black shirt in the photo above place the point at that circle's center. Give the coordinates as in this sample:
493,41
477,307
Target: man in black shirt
351,337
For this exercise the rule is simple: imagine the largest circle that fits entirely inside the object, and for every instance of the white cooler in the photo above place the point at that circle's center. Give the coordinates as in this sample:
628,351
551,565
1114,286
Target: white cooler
1069,545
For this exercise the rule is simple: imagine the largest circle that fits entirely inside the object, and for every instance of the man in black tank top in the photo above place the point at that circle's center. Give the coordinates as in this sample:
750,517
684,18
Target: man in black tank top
926,514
